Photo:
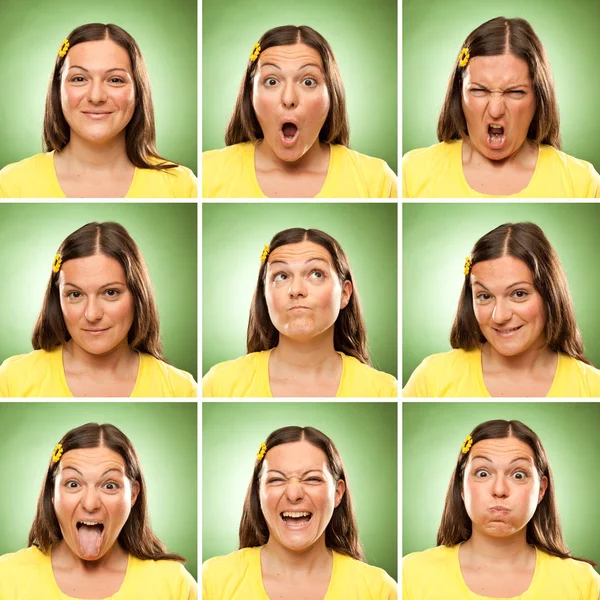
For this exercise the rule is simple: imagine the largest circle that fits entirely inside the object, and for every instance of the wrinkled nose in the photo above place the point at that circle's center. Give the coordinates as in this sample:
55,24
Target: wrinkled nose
496,106
294,491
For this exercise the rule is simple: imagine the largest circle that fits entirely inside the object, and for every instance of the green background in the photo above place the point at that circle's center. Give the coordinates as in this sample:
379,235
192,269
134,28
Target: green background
432,434
233,236
432,34
364,39
163,434
365,435
31,32
30,235
438,237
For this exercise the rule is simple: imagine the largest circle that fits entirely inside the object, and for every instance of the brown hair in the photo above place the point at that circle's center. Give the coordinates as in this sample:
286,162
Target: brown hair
341,533
136,537
527,242
140,132
543,531
112,240
243,124
505,36
349,334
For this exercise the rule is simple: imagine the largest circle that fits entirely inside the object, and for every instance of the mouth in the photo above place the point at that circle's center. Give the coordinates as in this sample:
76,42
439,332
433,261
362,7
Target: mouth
96,116
289,133
299,308
499,510
508,332
495,137
96,331
90,535
296,519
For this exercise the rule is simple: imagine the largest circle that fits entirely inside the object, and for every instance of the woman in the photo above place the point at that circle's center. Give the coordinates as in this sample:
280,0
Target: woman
91,535
306,333
500,535
98,332
499,126
288,135
298,532
98,127
515,332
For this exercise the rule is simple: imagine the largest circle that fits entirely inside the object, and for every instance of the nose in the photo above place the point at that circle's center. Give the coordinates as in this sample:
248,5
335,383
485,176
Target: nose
93,310
289,96
294,491
500,488
297,287
97,93
496,106
501,312
90,501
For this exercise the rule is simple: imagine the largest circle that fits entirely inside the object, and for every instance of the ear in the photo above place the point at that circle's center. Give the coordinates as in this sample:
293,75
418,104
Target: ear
543,488
340,490
135,490
346,294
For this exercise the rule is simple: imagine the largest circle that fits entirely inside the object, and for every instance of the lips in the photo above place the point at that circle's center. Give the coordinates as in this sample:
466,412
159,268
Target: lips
499,510
296,519
96,331
289,133
508,331
299,308
97,115
495,136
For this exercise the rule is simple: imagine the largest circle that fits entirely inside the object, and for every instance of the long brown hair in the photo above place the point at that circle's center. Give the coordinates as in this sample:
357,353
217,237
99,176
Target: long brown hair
243,124
543,531
113,240
136,537
527,242
505,36
349,333
341,533
140,132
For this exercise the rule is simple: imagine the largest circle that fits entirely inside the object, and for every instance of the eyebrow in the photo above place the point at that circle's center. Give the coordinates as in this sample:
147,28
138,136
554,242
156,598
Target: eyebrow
283,262
525,458
507,287
303,474
270,64
107,71
509,88
100,288
103,474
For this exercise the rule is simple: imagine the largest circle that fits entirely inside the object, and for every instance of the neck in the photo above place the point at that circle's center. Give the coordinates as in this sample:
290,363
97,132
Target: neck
524,157
533,360
111,362
276,558
64,558
312,160
106,156
314,355
482,548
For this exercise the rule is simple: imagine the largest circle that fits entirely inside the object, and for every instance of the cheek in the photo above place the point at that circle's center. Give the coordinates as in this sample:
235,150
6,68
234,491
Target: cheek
319,105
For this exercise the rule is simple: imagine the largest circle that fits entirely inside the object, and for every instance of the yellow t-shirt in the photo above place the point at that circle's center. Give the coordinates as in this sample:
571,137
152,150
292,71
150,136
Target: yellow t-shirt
35,177
458,374
435,575
437,172
41,374
28,575
230,173
248,377
238,576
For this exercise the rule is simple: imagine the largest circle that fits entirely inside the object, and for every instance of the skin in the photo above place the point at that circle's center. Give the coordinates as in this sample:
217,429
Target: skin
500,474
296,477
289,85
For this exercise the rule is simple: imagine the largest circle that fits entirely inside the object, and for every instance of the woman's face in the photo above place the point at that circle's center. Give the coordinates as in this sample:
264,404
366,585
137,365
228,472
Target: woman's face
97,91
499,104
96,303
508,308
92,500
501,486
303,292
290,99
297,494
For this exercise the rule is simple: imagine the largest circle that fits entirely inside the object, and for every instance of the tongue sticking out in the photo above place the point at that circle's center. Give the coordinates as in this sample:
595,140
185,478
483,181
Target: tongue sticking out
90,540
289,130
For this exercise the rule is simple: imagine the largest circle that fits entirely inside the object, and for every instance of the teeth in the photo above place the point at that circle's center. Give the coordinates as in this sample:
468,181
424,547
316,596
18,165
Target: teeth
90,522
496,126
295,514
507,330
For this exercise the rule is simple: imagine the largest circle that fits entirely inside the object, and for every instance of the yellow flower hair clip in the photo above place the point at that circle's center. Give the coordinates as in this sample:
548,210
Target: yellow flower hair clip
57,453
467,444
56,263
64,47
261,451
255,52
463,60
468,265
265,253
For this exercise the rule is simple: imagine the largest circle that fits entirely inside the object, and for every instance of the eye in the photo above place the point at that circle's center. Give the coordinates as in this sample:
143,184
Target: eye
74,295
111,486
270,81
520,475
116,80
520,294
317,274
71,485
112,293
483,297
275,480
77,79
517,93
309,82
481,474
314,480
478,92
279,277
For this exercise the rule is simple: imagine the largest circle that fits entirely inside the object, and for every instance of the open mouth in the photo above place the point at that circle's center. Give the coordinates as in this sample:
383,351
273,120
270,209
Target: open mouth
289,133
495,136
90,535
508,331
296,519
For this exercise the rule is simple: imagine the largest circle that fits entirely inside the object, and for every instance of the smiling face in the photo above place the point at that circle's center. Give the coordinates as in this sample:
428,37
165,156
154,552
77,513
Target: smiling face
290,99
501,486
92,499
499,104
303,292
97,91
297,494
508,308
97,306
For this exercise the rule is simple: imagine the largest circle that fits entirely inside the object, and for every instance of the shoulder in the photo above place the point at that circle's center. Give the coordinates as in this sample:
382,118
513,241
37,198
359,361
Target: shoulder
180,382
16,370
429,574
24,562
587,374
14,176
427,559
219,571
224,378
424,166
381,384
176,182
236,151
379,583
581,573
584,178
421,158
162,575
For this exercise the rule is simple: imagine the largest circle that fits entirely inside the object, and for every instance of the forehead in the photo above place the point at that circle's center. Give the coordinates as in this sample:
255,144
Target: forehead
290,57
295,457
501,71
98,55
501,450
300,253
92,461
96,270
501,272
